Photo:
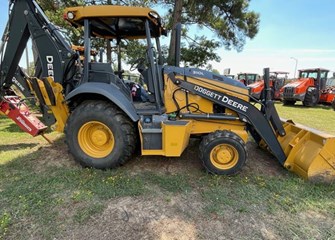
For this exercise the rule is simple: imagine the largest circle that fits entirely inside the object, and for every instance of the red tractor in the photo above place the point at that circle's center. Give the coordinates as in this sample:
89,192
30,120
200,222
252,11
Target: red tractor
248,78
307,88
328,94
277,81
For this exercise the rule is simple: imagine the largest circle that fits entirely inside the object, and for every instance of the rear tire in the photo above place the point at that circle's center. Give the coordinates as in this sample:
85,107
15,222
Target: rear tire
223,153
311,97
333,104
288,102
99,135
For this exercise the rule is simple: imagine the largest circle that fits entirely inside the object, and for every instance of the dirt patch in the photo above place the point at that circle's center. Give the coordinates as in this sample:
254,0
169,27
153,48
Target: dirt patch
55,155
260,162
139,218
178,216
142,218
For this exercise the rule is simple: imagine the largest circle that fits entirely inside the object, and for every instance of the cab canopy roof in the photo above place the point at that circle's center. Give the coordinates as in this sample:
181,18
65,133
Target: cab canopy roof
279,72
247,74
112,22
314,70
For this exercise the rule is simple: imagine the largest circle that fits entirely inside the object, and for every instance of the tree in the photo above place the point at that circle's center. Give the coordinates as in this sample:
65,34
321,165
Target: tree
230,20
54,11
199,52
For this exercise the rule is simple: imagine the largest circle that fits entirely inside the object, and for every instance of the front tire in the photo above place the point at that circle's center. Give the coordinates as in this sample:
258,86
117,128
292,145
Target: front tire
333,104
99,135
311,97
223,153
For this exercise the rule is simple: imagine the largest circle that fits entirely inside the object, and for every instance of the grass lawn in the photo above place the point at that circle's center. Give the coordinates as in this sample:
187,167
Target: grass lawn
320,117
45,195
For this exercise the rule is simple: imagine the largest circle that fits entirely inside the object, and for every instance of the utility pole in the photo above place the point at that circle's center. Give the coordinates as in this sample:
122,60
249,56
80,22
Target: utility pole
296,64
27,60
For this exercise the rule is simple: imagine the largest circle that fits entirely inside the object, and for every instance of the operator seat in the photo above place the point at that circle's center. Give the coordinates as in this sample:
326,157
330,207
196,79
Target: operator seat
103,73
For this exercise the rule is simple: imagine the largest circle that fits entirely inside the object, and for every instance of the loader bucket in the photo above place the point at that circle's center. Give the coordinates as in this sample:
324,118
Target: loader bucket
310,153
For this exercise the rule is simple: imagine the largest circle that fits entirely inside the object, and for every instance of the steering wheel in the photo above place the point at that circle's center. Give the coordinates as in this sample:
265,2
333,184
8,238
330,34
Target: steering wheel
137,64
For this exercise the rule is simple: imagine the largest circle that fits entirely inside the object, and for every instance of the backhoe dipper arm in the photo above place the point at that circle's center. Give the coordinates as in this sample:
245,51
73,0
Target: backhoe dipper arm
20,80
27,20
247,112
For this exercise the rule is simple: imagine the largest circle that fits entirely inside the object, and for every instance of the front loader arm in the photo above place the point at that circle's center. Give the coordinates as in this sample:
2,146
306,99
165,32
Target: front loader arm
247,112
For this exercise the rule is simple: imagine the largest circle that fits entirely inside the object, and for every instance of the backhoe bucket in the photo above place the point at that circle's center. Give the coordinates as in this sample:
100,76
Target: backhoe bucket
310,153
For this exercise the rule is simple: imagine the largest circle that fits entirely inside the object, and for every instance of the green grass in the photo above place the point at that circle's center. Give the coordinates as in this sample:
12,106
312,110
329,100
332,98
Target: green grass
45,200
320,117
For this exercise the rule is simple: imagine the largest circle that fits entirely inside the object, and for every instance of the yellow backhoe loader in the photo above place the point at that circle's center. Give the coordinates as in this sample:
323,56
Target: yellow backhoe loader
102,124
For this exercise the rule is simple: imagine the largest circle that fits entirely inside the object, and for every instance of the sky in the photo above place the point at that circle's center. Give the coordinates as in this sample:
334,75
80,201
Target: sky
295,32
291,32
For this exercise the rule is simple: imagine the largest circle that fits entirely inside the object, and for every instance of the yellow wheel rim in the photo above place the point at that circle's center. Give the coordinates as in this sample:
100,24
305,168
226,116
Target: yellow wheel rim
96,139
224,156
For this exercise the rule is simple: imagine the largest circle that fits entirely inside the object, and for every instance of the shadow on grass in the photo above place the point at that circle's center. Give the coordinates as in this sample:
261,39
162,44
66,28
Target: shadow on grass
18,146
13,128
319,106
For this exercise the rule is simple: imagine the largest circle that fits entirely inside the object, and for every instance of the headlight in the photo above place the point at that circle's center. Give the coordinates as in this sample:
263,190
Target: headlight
70,15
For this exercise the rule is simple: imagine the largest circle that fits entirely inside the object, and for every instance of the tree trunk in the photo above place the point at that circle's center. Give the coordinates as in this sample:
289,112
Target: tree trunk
109,51
178,7
108,43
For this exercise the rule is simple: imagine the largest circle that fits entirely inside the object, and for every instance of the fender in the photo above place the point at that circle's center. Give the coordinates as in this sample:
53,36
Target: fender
110,91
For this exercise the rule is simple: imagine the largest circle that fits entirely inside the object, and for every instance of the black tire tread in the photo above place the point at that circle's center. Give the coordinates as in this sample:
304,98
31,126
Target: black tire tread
308,101
216,135
109,109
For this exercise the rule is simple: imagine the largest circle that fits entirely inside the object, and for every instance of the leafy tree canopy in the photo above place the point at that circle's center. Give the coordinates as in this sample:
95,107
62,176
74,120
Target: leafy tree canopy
230,20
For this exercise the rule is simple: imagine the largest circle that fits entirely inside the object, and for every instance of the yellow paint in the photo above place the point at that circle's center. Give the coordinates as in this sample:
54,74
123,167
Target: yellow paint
176,134
60,110
112,11
96,139
310,154
175,138
224,156
170,90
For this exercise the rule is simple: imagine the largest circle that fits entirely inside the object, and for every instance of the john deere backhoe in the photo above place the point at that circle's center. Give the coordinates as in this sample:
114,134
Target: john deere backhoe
102,124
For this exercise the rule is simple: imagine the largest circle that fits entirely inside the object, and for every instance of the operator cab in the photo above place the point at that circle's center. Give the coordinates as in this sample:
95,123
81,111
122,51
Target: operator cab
278,78
319,75
248,78
121,23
